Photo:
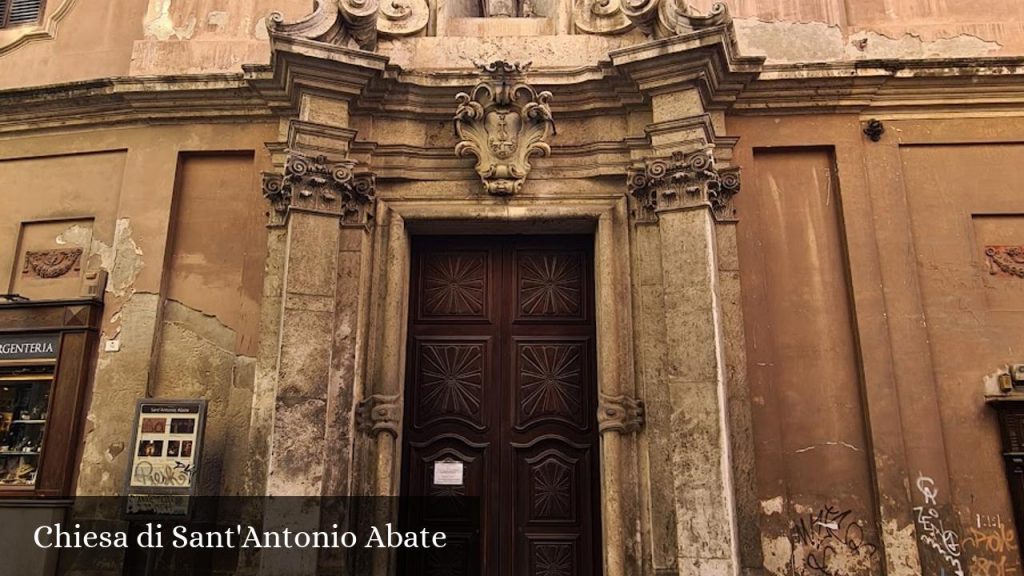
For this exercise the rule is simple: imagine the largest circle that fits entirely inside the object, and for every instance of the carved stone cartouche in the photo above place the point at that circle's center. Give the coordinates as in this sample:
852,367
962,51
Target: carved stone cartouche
503,122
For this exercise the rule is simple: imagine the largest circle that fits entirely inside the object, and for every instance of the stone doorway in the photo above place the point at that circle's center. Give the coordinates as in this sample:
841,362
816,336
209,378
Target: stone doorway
501,389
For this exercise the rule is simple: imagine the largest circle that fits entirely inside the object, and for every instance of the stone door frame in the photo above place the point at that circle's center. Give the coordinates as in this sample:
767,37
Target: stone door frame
619,412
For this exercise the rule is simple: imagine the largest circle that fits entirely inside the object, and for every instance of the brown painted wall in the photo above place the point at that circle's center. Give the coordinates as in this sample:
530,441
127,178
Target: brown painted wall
964,198
811,447
888,258
175,216
209,321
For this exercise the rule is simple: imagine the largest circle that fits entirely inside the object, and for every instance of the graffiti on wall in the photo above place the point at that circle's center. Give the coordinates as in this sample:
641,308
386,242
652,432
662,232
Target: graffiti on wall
931,529
831,541
992,546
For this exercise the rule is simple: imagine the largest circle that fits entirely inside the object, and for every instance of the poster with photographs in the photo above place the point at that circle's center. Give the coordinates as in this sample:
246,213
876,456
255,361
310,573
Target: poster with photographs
165,455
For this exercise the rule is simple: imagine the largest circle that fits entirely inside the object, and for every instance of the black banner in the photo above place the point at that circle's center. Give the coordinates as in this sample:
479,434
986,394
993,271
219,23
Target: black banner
29,346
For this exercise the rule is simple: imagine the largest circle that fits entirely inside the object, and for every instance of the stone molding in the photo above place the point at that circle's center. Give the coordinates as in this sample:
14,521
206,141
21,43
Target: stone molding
503,122
600,17
622,414
680,182
317,184
379,414
265,93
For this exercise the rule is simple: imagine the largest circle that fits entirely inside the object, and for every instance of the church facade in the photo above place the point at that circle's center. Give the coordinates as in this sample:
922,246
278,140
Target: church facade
716,289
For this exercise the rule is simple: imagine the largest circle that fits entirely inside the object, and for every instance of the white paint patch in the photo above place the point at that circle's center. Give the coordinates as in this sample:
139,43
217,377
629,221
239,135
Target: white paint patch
75,235
773,505
777,554
161,25
801,509
218,20
826,444
260,30
991,383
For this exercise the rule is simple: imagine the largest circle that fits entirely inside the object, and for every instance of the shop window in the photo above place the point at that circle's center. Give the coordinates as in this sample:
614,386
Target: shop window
46,356
24,408
17,12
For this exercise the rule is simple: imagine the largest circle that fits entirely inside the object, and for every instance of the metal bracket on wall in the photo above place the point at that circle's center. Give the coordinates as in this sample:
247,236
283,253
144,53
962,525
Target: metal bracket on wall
874,129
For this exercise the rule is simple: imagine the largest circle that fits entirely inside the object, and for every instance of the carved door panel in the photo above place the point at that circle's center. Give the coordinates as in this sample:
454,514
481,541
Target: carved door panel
501,377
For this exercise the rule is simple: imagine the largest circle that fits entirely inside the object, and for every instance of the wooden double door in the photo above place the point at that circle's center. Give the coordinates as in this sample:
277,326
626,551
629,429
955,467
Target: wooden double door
501,389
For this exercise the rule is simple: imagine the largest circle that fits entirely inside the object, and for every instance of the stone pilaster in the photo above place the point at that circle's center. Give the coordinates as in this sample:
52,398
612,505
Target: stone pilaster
320,206
675,199
680,187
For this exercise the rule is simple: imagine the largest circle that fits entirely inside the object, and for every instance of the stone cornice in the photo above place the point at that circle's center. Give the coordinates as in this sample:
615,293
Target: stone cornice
954,85
301,66
705,59
132,100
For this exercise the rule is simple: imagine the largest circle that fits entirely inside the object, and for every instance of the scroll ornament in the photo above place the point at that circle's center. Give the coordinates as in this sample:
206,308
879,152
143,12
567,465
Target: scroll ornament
621,414
683,180
360,21
657,18
378,414
600,16
320,185
503,122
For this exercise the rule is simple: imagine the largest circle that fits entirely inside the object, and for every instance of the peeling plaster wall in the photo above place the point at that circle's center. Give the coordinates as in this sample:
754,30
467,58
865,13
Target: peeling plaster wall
208,332
783,42
183,245
193,36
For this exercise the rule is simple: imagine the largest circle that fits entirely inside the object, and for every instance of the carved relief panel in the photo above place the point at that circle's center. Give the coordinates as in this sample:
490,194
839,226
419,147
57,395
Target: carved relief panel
999,249
52,259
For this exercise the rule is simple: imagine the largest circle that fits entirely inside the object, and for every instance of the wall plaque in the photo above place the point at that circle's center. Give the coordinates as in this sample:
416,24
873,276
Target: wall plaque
166,447
448,473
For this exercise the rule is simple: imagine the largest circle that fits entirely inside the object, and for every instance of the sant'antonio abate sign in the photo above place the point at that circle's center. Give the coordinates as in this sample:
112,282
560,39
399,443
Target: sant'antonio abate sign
166,448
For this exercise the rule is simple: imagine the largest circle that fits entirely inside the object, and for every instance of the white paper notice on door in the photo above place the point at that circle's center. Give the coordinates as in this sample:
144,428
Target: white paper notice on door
448,473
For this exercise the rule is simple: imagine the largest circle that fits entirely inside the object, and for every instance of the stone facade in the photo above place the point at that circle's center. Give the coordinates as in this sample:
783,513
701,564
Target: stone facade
807,243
